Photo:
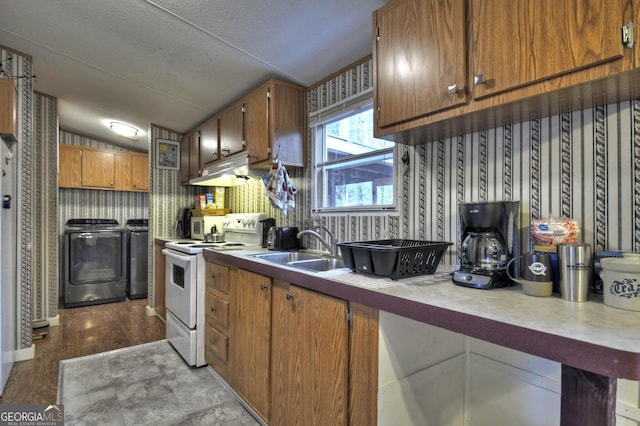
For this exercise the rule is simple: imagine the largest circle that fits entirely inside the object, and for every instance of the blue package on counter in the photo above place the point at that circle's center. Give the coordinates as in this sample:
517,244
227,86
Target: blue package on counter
601,254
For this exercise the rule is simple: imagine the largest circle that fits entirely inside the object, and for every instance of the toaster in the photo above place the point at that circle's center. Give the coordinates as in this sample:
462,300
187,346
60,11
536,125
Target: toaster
283,238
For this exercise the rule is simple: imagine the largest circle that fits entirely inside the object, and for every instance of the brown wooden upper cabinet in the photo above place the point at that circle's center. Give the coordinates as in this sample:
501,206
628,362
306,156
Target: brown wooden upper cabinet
231,128
94,168
8,125
275,123
123,169
420,58
98,169
185,144
209,143
139,172
444,67
194,154
517,43
267,123
70,169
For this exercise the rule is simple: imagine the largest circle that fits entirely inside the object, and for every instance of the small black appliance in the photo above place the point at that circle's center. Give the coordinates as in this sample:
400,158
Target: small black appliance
267,224
283,238
183,223
488,235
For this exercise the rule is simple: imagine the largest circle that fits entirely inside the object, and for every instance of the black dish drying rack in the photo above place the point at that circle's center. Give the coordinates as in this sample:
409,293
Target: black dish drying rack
393,258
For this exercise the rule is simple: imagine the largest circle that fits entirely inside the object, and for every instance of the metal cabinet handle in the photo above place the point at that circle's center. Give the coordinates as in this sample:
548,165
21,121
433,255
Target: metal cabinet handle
213,309
479,79
213,275
213,341
289,296
453,89
263,286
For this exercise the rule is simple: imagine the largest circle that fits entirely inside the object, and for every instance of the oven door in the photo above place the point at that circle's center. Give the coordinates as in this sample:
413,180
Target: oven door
181,286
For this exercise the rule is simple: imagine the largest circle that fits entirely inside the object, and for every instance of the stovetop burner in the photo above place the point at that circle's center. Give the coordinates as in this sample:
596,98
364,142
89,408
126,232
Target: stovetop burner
240,230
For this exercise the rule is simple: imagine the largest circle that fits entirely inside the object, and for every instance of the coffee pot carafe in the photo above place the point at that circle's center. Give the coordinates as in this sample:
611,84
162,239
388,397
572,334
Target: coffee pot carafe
483,250
487,241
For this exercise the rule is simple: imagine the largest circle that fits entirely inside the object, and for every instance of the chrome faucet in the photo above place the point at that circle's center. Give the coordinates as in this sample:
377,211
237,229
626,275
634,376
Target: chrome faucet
315,224
324,242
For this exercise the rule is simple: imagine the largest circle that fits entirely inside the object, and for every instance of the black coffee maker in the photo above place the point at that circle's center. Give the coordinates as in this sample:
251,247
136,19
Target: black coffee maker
488,240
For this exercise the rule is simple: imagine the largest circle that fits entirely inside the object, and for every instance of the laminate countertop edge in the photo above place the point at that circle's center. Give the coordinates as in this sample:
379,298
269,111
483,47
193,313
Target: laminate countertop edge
588,335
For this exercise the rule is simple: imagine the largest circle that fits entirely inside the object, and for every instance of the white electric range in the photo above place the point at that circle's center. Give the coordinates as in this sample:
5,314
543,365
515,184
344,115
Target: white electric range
185,282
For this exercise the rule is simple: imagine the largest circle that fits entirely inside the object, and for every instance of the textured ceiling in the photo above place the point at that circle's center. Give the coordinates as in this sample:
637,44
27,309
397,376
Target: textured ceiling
176,62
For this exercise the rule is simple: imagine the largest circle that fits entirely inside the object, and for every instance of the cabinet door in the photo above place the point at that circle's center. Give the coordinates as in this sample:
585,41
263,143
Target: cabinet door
252,339
98,168
216,347
123,171
217,278
217,311
194,155
310,357
184,159
257,124
516,43
140,172
70,166
209,147
419,58
231,128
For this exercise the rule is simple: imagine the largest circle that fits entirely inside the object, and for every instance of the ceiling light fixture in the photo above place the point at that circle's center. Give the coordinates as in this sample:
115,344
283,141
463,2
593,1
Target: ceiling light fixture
123,129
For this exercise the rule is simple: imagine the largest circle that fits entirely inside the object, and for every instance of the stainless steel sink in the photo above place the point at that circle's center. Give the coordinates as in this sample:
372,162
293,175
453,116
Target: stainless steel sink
319,265
303,260
285,257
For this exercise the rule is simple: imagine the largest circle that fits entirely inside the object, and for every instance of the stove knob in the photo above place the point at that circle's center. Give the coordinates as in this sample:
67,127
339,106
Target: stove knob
468,278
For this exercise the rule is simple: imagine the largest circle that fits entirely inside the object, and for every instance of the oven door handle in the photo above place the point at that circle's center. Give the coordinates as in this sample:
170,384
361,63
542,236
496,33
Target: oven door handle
175,255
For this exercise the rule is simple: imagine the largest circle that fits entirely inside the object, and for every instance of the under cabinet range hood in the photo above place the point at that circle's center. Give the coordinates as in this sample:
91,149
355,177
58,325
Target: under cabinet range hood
230,171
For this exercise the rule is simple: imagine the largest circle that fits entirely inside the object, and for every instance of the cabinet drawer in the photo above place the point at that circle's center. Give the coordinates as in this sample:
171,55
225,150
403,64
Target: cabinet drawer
217,310
217,277
216,343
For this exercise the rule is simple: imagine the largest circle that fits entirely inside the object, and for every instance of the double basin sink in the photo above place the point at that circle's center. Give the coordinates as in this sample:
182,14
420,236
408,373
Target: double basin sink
303,260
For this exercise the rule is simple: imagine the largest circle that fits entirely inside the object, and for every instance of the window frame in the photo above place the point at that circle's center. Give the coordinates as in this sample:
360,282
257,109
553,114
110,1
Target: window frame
317,120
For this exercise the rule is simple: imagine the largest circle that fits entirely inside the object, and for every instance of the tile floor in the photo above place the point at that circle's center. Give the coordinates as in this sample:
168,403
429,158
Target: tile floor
148,384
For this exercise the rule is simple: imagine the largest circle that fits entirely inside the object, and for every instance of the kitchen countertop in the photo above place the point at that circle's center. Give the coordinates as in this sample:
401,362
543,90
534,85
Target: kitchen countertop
587,335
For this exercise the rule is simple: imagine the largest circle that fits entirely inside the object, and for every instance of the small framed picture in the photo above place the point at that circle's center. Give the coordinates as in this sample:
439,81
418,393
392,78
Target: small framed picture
167,154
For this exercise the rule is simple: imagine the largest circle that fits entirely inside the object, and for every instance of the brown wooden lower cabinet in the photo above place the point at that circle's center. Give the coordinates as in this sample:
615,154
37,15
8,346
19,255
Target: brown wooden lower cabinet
310,358
251,339
218,302
292,353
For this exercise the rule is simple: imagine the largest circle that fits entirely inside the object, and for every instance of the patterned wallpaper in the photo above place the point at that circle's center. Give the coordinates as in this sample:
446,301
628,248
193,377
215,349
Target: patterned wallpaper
584,165
346,227
45,183
166,198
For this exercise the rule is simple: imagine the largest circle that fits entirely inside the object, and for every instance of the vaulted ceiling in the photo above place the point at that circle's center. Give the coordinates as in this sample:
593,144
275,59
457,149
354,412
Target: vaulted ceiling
174,63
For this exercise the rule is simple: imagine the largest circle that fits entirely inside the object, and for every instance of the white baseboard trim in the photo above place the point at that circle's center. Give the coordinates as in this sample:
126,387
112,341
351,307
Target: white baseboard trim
24,354
151,311
54,321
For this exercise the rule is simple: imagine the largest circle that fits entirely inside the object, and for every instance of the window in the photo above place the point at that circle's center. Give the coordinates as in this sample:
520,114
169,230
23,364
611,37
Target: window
353,170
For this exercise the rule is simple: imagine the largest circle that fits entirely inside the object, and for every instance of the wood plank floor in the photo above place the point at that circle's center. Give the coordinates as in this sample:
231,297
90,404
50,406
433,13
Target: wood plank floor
82,331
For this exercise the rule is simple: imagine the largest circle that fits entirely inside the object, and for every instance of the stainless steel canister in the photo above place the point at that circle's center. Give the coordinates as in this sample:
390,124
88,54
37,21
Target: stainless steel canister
574,269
